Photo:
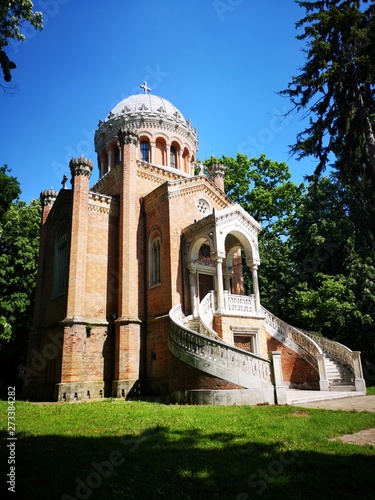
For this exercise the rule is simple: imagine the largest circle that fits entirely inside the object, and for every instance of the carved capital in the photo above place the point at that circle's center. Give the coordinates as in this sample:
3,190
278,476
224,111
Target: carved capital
127,136
48,197
218,257
81,166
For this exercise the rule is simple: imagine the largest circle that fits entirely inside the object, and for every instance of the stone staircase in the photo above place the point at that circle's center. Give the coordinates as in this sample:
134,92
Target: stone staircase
195,343
339,376
192,324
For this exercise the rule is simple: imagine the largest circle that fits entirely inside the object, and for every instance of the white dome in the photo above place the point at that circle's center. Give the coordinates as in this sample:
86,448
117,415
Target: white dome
145,104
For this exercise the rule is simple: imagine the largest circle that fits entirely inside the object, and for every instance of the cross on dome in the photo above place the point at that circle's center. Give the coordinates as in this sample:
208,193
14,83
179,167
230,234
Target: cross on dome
145,88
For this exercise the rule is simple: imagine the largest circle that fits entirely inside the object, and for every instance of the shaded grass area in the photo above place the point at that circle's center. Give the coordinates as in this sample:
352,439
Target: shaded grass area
138,450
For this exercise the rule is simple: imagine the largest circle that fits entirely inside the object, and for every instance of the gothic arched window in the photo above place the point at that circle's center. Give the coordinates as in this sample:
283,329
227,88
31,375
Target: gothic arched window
155,245
60,260
145,151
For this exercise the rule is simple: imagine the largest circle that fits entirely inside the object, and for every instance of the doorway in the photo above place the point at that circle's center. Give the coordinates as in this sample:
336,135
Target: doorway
205,284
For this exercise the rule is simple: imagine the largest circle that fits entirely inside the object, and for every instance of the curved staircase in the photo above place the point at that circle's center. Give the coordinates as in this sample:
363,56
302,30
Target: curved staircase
195,343
215,357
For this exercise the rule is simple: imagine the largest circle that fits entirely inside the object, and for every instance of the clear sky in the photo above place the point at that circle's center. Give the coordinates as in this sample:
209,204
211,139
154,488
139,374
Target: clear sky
220,62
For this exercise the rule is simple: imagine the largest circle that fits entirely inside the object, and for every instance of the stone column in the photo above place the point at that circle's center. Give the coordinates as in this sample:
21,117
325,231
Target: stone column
227,277
109,155
168,150
323,380
360,384
152,152
193,300
188,165
218,258
280,392
254,270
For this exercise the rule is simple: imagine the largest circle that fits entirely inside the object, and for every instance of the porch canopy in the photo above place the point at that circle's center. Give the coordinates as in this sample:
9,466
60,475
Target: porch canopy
214,244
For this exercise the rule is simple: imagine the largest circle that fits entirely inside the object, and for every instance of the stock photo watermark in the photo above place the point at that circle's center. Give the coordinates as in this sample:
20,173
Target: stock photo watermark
11,440
309,265
254,144
104,470
49,9
224,7
261,479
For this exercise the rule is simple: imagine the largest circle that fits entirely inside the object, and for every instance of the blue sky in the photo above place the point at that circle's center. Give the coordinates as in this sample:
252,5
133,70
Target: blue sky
221,62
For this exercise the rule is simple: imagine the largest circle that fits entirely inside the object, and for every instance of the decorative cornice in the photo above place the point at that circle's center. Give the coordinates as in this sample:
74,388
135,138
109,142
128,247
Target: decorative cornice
110,178
237,215
158,173
137,122
81,166
103,204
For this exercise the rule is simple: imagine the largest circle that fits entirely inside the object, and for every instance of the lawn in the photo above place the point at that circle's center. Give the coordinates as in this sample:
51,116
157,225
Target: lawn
115,449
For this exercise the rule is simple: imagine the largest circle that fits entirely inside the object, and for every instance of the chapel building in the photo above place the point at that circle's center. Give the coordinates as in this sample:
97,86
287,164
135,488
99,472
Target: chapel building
140,282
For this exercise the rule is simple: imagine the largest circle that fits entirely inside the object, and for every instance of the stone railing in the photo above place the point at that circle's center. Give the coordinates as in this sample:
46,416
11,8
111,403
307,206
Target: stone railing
333,349
206,313
216,353
343,354
239,305
307,347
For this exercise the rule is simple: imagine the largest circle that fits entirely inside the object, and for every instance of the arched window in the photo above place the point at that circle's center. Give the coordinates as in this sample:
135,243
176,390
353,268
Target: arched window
145,151
155,245
60,261
173,157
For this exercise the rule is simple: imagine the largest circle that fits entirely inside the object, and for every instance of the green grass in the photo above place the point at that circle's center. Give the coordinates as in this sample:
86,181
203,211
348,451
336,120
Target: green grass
64,451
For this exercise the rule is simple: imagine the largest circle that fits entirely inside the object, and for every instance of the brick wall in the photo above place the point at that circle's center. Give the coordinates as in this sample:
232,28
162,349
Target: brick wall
296,371
184,377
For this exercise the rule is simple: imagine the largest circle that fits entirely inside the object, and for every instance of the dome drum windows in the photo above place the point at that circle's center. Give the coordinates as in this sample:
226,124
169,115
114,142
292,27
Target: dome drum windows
145,150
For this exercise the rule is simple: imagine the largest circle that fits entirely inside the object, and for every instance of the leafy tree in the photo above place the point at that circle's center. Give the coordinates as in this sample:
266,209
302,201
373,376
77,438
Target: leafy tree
14,13
335,87
332,288
9,189
19,247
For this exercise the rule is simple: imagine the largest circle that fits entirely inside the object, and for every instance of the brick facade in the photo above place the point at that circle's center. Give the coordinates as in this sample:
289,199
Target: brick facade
101,320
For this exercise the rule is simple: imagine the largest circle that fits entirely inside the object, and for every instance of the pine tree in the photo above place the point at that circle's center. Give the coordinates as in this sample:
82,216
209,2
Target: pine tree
335,88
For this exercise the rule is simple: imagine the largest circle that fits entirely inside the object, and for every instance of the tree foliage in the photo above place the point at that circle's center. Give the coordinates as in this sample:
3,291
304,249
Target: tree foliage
9,189
13,14
333,291
335,87
19,248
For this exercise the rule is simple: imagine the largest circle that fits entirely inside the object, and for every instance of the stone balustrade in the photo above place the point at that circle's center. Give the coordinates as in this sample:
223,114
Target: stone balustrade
215,351
206,314
239,305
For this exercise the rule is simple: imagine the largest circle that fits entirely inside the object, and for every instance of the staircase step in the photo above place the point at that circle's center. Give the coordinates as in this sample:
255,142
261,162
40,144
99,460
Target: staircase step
192,324
341,387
